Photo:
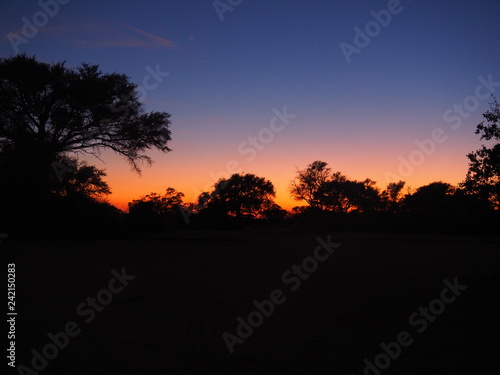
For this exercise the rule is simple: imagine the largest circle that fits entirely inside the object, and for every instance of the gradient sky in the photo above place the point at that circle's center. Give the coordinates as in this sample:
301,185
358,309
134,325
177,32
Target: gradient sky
228,78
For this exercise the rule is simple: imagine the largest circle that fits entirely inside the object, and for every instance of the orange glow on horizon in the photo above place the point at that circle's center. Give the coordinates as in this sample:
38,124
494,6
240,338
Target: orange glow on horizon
198,159
127,185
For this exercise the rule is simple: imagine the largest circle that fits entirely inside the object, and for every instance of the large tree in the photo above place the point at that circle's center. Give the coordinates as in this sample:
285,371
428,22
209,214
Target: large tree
50,112
483,176
50,109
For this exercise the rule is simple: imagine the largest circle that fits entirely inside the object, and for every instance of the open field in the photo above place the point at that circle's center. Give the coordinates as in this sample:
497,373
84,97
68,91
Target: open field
190,287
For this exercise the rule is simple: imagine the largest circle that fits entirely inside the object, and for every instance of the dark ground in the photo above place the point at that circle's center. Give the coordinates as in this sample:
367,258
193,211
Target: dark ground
191,286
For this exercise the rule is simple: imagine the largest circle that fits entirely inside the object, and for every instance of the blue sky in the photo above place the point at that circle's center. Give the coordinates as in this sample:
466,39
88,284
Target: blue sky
227,76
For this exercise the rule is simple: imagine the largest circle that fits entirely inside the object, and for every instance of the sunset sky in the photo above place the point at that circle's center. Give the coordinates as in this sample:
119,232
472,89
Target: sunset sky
297,75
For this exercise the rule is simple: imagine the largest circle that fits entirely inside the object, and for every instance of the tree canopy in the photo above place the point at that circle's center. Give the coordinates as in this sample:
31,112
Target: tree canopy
49,115
50,109
323,190
483,176
81,178
155,211
307,183
240,195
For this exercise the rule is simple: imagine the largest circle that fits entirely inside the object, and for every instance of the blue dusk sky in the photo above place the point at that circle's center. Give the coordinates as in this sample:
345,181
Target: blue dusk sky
382,89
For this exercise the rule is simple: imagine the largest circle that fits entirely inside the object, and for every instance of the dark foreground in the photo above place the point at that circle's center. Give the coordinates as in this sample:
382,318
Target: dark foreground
190,288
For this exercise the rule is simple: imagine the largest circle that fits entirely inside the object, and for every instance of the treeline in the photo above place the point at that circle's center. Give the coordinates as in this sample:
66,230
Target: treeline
50,113
333,202
328,201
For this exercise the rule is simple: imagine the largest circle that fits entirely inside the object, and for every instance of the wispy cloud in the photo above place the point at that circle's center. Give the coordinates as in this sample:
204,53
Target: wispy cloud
108,34
158,40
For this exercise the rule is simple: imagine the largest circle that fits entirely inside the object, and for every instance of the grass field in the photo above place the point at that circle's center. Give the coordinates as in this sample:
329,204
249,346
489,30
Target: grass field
190,288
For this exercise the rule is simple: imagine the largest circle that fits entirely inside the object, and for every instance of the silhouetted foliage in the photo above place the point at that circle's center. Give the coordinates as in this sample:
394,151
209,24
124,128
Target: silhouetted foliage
392,195
82,216
274,215
47,113
242,195
155,212
483,176
434,197
334,191
309,181
51,109
80,178
341,204
343,195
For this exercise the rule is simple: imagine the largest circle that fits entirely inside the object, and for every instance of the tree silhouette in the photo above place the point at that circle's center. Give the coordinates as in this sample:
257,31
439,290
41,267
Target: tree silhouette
307,183
155,212
274,213
342,195
324,190
333,193
483,176
392,195
49,111
81,178
434,197
240,195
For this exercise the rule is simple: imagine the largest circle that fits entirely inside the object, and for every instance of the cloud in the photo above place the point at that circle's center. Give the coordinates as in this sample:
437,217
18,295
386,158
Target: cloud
158,40
108,34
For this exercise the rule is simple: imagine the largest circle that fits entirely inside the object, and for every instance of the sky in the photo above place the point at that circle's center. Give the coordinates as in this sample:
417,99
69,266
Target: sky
387,90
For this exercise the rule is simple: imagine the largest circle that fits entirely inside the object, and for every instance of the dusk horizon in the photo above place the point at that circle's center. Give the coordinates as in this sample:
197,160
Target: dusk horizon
365,111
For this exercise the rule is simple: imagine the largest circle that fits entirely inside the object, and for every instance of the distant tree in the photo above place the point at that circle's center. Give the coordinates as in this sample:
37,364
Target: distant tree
392,194
323,190
366,196
483,176
308,182
240,195
393,190
334,193
155,212
297,210
436,196
274,212
343,195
